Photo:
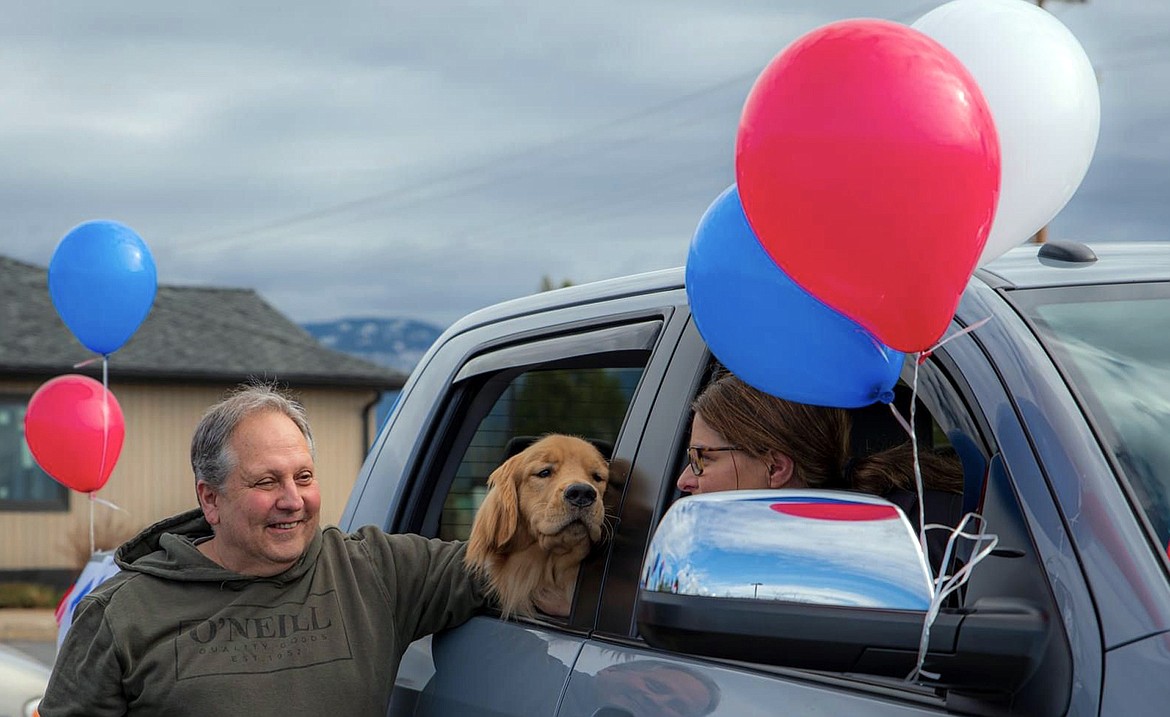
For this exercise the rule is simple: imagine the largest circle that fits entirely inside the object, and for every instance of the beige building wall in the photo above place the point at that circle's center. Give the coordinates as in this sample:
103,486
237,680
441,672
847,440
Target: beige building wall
153,479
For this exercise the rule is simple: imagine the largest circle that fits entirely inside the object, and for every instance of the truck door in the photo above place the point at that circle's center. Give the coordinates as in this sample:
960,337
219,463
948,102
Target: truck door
584,381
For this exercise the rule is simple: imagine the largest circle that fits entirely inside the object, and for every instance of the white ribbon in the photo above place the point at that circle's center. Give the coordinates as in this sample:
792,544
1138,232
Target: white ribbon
946,584
982,542
94,499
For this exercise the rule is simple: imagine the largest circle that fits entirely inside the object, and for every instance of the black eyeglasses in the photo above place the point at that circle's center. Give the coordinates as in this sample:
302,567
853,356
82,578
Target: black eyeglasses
695,456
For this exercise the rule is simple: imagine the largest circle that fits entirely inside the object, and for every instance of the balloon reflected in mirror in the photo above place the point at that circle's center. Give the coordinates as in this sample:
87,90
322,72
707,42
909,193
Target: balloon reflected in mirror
807,546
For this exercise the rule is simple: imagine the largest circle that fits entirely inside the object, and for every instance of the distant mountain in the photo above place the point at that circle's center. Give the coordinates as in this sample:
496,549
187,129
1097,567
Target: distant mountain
397,343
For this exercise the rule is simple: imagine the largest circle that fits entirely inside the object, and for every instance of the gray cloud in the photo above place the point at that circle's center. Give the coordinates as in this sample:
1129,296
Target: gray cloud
378,158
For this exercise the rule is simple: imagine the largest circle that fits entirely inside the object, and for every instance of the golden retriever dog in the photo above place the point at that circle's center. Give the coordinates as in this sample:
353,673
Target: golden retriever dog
542,514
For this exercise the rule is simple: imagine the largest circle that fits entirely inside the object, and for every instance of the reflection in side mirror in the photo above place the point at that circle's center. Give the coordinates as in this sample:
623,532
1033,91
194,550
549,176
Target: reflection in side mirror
801,546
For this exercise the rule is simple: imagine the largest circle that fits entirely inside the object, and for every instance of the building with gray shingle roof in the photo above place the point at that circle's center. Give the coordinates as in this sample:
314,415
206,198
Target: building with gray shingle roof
191,333
195,345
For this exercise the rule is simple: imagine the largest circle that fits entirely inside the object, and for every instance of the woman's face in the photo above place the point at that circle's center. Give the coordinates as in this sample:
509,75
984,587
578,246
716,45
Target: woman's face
721,469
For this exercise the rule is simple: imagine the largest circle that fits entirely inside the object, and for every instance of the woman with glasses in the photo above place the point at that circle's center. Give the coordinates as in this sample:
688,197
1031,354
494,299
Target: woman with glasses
744,438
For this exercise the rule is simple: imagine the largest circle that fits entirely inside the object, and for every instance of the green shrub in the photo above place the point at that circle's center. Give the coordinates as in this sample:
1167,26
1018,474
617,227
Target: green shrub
29,595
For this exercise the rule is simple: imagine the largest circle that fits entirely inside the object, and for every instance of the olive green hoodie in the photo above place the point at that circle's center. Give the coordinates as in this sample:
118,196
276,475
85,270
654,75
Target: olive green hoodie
176,634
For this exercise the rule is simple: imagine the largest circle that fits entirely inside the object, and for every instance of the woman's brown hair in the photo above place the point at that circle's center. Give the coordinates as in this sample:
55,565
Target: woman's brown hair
817,439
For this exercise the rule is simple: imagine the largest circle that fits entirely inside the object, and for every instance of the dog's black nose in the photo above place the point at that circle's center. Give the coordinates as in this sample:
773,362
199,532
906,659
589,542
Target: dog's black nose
580,495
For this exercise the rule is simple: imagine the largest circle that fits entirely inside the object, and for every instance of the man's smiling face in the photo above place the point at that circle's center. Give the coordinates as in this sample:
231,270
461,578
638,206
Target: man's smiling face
267,512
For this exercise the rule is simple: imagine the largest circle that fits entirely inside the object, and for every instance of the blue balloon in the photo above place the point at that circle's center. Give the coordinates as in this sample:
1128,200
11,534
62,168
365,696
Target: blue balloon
102,280
771,332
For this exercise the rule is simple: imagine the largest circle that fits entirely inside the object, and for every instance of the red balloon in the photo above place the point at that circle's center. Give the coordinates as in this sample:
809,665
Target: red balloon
74,428
868,167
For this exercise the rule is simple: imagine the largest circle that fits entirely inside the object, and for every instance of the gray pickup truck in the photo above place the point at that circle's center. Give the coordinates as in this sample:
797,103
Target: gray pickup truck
1058,405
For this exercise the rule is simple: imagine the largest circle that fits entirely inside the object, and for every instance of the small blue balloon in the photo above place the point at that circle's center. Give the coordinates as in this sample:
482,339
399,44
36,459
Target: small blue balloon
102,281
768,330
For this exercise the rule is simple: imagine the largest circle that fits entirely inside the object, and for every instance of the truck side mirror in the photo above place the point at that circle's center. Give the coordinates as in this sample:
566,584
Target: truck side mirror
821,580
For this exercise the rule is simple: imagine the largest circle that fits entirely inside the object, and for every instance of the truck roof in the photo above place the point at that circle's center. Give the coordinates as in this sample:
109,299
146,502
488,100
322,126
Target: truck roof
1028,266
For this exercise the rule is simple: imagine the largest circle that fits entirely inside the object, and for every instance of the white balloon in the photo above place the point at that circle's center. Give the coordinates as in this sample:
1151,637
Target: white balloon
1043,96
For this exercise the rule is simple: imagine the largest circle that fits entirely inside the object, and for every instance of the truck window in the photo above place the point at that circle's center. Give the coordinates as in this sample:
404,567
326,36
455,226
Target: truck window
956,465
580,382
1117,366
589,401
874,428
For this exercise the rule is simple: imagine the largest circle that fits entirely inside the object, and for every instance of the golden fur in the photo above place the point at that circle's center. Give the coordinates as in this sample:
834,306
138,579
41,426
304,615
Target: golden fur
542,514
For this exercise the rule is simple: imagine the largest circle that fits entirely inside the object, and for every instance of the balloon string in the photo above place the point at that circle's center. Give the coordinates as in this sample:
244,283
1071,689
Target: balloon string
105,440
92,549
105,414
908,426
107,503
944,585
920,358
92,500
923,355
918,466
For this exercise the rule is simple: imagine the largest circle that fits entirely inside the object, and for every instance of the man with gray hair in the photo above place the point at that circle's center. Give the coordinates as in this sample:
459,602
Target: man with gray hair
245,605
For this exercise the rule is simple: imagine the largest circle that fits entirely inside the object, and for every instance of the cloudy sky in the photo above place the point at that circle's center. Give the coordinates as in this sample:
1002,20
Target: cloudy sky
362,158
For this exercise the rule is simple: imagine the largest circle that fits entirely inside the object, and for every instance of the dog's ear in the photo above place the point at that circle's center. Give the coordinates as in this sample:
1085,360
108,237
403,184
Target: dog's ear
499,515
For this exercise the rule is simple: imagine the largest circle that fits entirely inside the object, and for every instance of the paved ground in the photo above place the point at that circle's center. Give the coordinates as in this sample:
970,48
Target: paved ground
33,632
44,652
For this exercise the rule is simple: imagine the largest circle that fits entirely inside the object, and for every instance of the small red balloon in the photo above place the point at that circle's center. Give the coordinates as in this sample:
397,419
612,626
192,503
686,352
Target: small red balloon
868,166
74,428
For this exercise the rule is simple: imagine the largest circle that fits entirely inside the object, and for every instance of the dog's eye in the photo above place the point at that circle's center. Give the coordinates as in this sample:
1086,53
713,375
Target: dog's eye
597,477
544,473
